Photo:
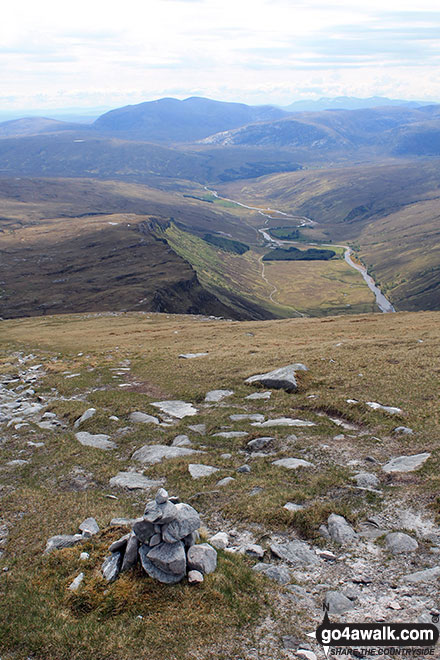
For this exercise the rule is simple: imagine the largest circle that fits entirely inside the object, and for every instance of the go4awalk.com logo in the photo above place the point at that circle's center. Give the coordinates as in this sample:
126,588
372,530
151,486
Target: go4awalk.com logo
386,640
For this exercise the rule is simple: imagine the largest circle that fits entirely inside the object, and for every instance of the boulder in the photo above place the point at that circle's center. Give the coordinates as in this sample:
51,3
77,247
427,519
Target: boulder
155,572
406,463
203,558
259,395
340,530
366,480
398,543
337,603
254,550
89,527
152,454
292,463
143,529
142,418
224,482
283,378
219,540
215,396
169,557
84,417
197,470
62,541
99,441
428,575
259,443
181,441
195,577
294,552
187,521
179,409
280,574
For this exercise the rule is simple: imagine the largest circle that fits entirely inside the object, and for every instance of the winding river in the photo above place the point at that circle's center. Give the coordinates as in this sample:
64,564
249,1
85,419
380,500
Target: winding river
381,301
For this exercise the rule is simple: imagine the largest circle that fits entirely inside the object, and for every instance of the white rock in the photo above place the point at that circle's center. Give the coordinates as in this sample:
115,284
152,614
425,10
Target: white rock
84,417
259,395
224,482
379,406
290,506
84,556
292,463
99,441
198,470
230,434
406,463
181,441
219,540
195,577
247,418
134,481
191,356
215,396
283,421
179,409
74,586
142,418
152,454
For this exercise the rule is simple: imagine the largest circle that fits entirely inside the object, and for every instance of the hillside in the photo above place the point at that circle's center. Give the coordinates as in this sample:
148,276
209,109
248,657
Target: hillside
389,212
327,491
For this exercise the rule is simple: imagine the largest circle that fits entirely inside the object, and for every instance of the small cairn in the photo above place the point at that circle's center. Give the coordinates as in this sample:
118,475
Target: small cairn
165,541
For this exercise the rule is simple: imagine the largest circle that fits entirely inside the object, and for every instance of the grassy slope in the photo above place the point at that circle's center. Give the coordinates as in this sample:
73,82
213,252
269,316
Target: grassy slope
388,210
376,357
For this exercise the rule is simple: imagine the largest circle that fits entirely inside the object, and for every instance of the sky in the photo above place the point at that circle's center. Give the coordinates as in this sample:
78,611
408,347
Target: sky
90,53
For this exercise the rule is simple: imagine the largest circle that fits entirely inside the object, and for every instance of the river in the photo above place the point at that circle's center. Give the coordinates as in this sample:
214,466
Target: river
381,301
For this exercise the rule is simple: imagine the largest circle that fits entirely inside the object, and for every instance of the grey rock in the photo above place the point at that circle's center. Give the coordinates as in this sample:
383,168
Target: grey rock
295,552
181,441
244,469
215,396
179,409
88,414
428,575
224,482
143,529
226,456
169,557
280,574
337,602
203,558
131,553
259,395
191,539
253,417
230,434
398,543
323,530
155,572
290,642
134,481
111,566
255,551
161,496
195,577
406,463
187,521
366,480
278,379
168,512
198,470
378,406
152,454
259,443
198,428
292,463
340,530
152,512
120,544
283,421
191,356
84,556
403,430
99,441
290,506
123,522
142,418
219,540
155,540
62,541
74,586
89,526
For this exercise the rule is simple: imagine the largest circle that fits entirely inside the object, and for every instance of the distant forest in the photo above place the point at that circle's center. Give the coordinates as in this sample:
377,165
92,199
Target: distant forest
294,254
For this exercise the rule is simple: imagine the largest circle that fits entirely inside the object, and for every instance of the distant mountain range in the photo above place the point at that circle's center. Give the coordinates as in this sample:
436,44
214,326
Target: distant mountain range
349,103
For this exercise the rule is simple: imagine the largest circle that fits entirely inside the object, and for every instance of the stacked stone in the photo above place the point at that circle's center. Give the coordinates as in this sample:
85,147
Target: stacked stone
164,540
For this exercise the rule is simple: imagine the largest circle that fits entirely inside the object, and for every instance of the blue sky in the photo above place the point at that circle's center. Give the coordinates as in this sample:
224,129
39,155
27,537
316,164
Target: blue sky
93,53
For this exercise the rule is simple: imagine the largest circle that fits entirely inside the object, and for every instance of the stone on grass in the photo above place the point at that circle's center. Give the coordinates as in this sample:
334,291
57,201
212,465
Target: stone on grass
294,552
230,434
84,556
195,577
169,557
142,418
252,417
99,441
198,470
225,481
340,530
244,469
378,406
219,540
428,575
398,543
74,586
283,378
291,506
202,558
181,441
259,443
403,430
215,396
337,603
134,481
292,463
84,417
406,463
111,566
198,428
152,454
179,409
366,480
280,574
89,527
62,541
187,521
191,356
283,421
259,395
131,553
